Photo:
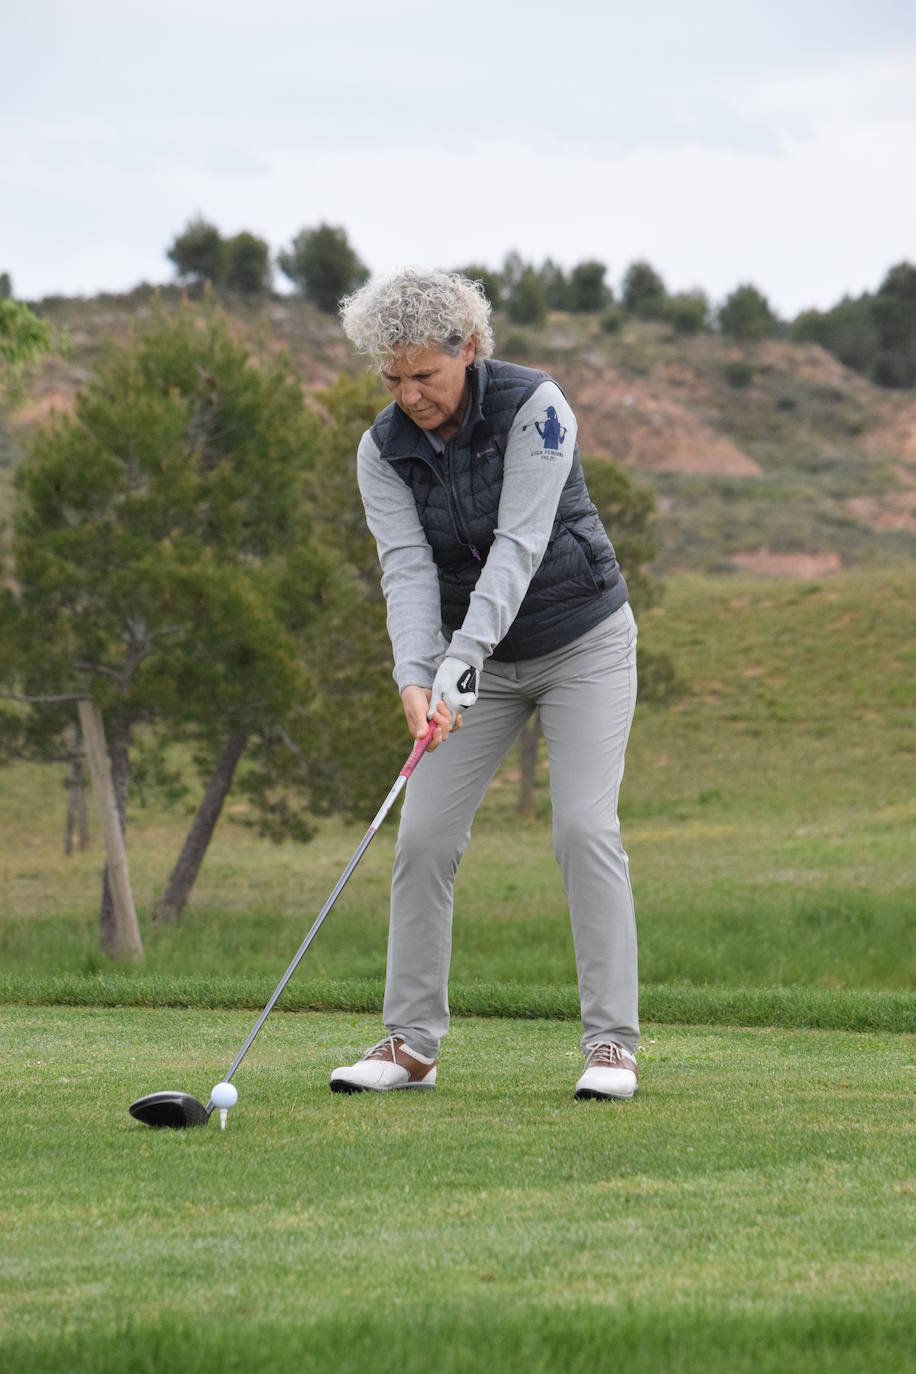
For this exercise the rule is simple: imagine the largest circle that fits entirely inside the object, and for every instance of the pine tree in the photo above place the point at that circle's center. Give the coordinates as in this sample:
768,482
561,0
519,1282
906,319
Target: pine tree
174,563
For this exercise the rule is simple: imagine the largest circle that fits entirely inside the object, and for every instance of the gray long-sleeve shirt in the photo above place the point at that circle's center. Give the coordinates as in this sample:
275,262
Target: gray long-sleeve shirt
535,468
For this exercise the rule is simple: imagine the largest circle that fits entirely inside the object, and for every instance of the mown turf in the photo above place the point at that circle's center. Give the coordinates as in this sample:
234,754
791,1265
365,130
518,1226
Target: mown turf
799,1007
751,1209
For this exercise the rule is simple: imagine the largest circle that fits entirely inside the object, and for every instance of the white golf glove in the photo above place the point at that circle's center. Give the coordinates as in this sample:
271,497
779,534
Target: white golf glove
455,683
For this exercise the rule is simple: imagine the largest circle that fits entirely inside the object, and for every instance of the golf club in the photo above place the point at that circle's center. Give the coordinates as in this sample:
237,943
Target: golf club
177,1109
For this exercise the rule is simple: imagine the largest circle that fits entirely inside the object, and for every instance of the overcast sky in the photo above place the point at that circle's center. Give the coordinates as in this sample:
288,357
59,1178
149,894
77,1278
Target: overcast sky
772,143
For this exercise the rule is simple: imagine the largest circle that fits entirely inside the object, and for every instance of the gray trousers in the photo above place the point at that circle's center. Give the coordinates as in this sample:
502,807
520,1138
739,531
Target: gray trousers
585,693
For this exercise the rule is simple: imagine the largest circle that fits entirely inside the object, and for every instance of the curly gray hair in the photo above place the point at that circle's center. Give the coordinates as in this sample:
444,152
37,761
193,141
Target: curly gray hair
413,309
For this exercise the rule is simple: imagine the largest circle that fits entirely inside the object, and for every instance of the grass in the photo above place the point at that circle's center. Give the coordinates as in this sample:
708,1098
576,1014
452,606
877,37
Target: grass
769,815
832,1008
751,1209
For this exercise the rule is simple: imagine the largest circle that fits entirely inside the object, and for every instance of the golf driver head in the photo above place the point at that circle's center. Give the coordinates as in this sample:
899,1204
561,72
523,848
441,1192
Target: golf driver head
175,1110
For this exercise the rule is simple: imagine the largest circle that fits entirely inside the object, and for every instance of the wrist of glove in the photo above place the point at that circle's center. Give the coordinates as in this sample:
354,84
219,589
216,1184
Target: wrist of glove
456,684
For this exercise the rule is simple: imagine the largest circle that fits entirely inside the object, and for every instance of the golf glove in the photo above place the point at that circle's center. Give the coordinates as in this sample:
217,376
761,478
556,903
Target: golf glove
455,683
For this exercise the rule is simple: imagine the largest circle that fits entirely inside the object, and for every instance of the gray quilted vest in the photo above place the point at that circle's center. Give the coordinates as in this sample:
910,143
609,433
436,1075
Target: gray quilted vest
579,581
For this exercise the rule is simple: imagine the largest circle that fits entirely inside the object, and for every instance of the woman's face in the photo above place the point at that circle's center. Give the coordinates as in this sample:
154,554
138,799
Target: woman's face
431,387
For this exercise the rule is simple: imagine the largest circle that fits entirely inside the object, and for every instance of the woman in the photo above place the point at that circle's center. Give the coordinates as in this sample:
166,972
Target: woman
503,594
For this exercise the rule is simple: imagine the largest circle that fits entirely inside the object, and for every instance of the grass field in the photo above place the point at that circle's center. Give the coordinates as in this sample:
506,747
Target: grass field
751,1209
769,814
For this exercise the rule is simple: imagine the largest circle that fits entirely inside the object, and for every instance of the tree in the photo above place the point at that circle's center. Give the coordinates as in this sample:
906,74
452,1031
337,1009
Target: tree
746,315
643,292
321,263
587,290
555,285
247,264
511,272
6,286
173,566
848,331
895,321
199,253
526,304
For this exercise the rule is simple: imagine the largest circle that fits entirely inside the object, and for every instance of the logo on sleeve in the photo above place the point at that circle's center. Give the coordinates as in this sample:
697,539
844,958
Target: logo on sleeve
551,432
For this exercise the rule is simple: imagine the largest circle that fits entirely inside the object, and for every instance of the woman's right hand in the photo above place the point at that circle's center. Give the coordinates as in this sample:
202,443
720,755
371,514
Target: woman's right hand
415,701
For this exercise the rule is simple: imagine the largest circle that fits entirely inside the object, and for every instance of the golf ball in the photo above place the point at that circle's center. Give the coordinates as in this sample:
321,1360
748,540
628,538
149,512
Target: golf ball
224,1095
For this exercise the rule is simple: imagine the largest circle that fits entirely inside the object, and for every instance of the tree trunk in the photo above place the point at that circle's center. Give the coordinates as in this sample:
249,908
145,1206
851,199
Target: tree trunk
528,751
184,874
77,812
118,928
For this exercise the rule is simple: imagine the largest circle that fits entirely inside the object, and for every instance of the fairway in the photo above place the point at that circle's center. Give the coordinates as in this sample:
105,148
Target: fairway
752,1209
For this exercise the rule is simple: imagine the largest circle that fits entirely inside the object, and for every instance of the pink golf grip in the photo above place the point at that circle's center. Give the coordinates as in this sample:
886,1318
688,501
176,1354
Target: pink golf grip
417,752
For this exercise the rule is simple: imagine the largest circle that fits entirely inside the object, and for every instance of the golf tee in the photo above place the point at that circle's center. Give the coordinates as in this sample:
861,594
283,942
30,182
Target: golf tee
223,1114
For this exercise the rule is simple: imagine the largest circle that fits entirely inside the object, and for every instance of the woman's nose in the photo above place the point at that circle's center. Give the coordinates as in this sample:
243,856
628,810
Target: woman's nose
410,392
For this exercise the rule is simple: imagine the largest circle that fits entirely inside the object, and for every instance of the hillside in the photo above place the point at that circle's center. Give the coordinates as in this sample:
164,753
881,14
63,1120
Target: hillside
769,457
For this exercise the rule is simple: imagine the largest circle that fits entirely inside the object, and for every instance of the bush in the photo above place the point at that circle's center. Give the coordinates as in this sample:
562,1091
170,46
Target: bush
738,374
688,311
612,320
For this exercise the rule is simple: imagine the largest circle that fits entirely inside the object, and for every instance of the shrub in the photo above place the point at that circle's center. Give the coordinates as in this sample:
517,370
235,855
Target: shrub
688,311
738,374
613,319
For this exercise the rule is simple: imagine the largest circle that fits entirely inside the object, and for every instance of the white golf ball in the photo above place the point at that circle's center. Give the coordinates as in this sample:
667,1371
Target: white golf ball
224,1095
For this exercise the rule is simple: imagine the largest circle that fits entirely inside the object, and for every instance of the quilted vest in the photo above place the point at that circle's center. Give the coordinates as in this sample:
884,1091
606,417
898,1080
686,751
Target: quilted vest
578,582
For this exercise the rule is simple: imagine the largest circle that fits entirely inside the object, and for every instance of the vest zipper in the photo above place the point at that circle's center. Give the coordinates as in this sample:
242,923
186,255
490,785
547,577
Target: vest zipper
460,532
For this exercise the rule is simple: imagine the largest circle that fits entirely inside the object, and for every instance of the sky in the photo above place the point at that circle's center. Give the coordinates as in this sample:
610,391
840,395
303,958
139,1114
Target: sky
725,143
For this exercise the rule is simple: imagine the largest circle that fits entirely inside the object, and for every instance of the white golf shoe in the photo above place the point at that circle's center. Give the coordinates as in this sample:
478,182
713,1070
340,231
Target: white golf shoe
389,1064
610,1071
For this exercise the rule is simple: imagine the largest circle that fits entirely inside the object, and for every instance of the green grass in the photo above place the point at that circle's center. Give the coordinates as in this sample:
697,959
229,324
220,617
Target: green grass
769,815
751,1209
831,1008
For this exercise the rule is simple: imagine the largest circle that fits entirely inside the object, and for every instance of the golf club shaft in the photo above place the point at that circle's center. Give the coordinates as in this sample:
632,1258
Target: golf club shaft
417,753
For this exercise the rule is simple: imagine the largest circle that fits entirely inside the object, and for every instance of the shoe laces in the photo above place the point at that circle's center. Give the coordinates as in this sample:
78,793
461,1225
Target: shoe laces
608,1054
385,1049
